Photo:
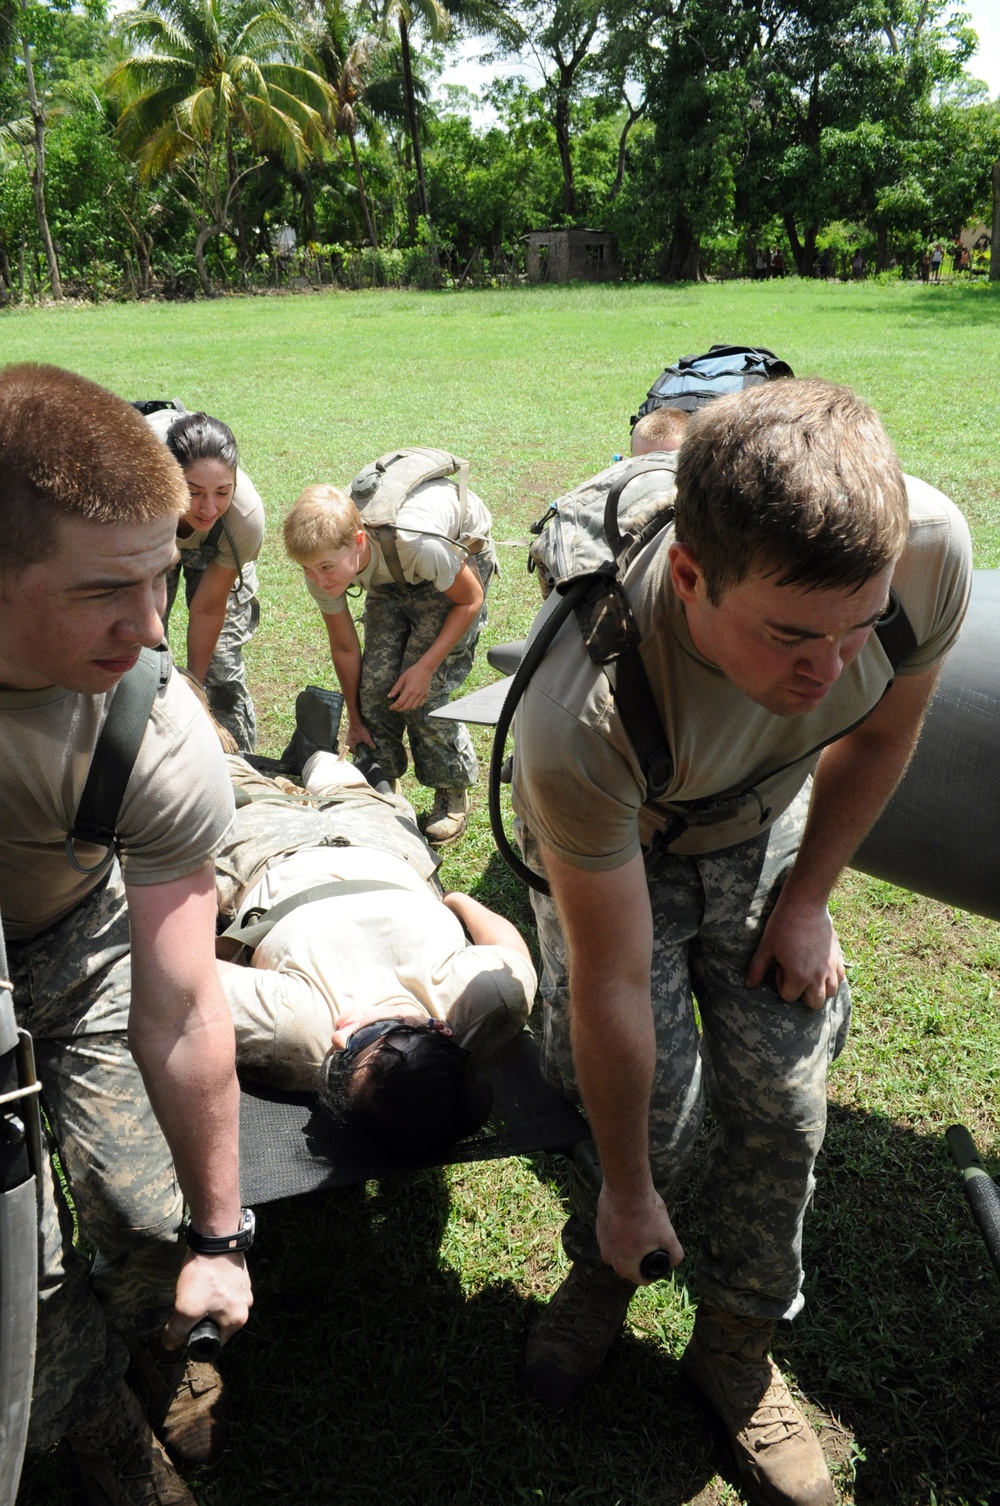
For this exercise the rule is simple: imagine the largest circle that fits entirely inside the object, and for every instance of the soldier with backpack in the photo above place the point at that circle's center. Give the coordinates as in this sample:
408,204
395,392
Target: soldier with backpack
418,543
110,922
219,539
664,747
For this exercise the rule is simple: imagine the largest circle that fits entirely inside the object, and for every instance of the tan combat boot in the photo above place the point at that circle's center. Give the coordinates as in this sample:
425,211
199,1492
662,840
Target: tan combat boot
185,1400
776,1450
449,817
568,1343
121,1463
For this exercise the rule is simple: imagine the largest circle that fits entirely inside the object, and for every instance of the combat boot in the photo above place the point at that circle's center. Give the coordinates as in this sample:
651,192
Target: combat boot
185,1400
317,727
449,817
777,1452
120,1460
568,1343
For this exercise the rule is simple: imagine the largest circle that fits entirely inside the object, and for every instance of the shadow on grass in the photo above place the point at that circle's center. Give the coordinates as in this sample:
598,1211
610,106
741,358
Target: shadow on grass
369,1375
951,303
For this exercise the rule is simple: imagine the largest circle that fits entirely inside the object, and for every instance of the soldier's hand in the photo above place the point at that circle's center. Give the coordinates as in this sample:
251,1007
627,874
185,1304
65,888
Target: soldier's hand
412,688
629,1228
209,1286
357,733
800,944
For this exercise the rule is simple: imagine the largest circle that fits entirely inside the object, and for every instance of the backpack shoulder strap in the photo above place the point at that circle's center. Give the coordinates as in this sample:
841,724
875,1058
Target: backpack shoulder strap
895,633
115,755
380,490
210,545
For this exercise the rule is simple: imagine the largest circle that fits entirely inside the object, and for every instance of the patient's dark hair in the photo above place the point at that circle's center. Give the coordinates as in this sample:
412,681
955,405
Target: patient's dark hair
197,436
414,1093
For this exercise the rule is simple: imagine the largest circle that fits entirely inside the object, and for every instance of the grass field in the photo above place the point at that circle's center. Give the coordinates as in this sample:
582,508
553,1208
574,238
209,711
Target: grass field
381,1359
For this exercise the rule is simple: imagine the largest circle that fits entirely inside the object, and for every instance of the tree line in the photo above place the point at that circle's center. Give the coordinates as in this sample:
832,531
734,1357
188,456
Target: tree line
207,144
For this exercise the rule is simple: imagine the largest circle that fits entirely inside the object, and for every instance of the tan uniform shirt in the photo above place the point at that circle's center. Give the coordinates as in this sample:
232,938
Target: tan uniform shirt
577,783
384,947
177,808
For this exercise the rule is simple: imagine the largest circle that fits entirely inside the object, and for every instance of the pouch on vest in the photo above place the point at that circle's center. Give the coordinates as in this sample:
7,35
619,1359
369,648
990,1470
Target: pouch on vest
379,491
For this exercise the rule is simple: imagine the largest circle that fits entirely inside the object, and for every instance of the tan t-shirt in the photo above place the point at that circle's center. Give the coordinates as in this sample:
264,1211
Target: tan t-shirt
577,783
386,947
434,508
244,515
177,808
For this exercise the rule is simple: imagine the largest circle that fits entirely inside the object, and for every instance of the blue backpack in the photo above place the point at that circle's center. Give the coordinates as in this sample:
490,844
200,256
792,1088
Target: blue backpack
696,380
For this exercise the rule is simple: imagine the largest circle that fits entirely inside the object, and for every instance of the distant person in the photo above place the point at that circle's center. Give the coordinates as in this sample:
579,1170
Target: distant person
219,539
858,264
824,264
420,636
778,262
937,257
925,267
762,265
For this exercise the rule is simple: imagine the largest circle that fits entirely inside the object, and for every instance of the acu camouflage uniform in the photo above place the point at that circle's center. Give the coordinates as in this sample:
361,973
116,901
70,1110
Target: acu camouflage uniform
760,1063
271,825
71,991
401,623
226,680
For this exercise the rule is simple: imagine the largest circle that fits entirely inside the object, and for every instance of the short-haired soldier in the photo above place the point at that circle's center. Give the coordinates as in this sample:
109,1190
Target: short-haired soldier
756,613
111,958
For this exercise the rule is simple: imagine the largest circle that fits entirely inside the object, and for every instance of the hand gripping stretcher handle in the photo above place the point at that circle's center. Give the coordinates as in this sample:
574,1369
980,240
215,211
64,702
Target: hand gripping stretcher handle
654,1265
204,1342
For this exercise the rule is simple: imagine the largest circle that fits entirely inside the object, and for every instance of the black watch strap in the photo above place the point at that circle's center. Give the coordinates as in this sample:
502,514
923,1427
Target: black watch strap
224,1244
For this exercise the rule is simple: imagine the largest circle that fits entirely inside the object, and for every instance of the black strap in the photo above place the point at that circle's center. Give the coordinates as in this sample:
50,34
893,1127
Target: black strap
114,757
256,923
384,535
895,633
210,546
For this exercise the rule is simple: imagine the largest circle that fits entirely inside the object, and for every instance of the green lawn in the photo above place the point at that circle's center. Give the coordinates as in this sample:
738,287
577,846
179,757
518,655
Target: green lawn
381,1359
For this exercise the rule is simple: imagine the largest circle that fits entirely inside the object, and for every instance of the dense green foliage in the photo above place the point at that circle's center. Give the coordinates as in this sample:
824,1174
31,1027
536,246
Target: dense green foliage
166,148
379,1367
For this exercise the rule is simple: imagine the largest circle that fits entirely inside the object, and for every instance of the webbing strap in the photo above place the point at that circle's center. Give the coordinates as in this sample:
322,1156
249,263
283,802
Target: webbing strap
114,757
256,924
895,633
210,546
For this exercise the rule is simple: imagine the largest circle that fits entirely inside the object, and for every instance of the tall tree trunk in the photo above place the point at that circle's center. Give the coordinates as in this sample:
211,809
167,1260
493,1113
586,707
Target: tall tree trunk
995,240
633,116
411,115
804,250
683,258
38,175
562,126
361,192
205,234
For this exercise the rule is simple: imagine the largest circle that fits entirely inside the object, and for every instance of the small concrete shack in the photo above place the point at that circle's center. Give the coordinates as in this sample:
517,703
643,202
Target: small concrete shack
572,256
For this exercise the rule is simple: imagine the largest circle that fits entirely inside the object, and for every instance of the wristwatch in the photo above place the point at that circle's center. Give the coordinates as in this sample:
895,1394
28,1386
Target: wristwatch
224,1244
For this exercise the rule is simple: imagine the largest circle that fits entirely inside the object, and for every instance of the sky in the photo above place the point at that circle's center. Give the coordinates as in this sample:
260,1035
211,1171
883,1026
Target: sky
985,65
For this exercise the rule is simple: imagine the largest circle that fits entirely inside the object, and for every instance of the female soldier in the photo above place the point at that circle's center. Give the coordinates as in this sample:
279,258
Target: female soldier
219,540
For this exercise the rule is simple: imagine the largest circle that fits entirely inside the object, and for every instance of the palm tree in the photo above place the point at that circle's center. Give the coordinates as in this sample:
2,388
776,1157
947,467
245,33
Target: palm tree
347,62
434,17
207,75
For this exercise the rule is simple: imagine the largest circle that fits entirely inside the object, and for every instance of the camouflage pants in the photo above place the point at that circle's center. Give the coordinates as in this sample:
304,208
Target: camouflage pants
71,991
760,1063
226,681
401,623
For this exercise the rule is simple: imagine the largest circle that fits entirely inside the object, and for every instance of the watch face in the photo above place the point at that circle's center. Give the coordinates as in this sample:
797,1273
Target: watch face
248,1226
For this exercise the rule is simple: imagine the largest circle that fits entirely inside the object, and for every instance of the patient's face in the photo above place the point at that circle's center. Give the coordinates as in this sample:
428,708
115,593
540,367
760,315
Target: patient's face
353,1019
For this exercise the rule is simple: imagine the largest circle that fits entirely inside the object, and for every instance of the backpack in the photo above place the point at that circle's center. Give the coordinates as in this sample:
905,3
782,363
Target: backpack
583,547
380,490
696,380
